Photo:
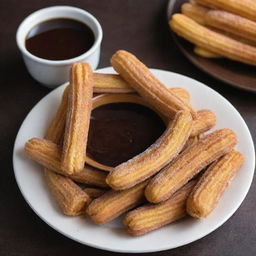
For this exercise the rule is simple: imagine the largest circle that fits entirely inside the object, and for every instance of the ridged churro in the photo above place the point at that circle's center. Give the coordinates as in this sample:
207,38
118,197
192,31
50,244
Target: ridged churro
155,157
205,120
78,118
212,41
153,216
147,85
222,20
244,8
113,83
113,203
69,196
181,93
94,192
212,184
56,128
48,154
189,163
110,83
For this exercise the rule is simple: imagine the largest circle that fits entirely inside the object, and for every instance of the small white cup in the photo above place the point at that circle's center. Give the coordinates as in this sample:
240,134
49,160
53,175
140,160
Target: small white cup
55,72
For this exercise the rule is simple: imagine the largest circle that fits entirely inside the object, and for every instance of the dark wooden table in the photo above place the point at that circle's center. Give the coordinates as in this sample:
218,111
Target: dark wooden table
139,27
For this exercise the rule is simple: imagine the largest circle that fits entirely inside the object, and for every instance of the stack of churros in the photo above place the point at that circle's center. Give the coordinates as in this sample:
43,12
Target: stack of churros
219,28
155,188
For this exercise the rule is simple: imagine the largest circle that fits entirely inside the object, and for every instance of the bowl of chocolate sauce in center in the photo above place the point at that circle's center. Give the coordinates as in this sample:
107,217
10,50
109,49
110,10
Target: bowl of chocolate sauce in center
121,127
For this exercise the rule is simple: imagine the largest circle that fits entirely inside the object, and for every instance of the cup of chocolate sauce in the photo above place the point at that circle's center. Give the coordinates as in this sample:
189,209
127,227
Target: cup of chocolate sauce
53,38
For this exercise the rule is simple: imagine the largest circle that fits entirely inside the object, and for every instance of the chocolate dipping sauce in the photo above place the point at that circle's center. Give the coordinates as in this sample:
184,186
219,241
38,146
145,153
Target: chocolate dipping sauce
59,39
120,131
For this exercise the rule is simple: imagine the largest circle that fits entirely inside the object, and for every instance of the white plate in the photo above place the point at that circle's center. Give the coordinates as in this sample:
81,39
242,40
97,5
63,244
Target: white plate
112,237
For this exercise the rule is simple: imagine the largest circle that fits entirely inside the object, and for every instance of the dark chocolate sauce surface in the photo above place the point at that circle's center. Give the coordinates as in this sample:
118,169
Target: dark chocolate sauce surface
59,39
120,131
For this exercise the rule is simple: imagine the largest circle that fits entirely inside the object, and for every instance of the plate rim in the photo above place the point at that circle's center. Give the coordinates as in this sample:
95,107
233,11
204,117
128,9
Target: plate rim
163,248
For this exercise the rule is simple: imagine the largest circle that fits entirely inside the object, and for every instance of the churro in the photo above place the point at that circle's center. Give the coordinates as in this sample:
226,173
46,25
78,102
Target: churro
48,154
212,41
149,162
212,184
56,128
205,120
94,192
153,216
147,85
189,163
114,203
78,118
222,20
69,196
110,83
244,8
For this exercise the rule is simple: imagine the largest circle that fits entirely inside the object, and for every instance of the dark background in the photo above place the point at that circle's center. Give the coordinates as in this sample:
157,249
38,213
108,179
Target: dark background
139,27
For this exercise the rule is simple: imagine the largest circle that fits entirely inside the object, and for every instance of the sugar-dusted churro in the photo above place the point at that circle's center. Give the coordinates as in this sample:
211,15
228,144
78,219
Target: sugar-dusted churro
48,154
78,118
56,128
222,20
113,83
155,157
181,93
113,203
69,196
244,8
153,216
189,163
212,184
110,83
212,41
191,141
147,85
205,120
94,192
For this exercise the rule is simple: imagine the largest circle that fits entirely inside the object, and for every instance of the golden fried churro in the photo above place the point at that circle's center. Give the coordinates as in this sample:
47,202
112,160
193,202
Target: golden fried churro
70,197
181,93
189,163
212,41
48,154
212,184
113,83
205,120
78,118
113,203
244,8
205,53
142,80
56,129
153,216
191,141
94,192
110,83
155,157
222,20
195,12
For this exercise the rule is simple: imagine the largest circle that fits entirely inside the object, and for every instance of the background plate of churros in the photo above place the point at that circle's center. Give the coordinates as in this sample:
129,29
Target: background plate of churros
219,37
126,192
